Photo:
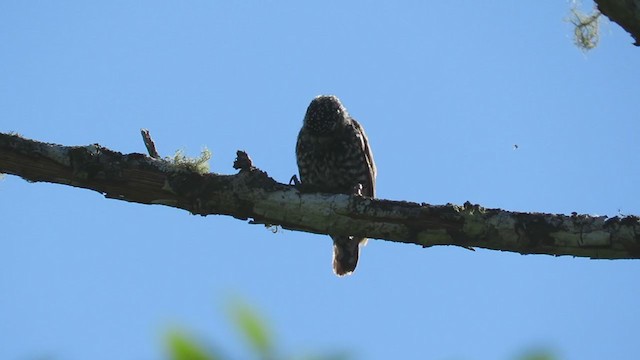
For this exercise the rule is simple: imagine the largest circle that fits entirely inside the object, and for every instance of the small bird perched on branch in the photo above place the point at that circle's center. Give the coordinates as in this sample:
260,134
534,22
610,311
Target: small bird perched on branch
334,156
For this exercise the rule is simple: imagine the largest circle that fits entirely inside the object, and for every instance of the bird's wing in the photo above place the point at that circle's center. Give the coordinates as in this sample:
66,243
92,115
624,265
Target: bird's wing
370,188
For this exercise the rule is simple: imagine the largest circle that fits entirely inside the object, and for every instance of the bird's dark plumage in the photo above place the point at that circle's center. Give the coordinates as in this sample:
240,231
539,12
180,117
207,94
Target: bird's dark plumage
334,156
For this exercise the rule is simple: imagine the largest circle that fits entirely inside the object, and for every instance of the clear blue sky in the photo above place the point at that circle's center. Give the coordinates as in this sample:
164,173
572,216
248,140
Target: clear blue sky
444,90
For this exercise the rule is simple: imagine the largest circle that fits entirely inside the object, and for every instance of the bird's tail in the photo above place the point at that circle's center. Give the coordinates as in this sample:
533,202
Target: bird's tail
345,254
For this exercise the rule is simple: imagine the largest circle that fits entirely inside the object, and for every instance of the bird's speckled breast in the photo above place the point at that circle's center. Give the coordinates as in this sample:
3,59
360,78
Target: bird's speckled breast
332,165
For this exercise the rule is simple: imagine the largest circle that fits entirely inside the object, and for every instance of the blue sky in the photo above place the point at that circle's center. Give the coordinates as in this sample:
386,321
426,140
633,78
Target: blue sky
444,90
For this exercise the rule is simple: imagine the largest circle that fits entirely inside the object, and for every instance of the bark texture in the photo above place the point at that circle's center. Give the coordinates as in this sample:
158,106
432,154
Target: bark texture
252,194
625,13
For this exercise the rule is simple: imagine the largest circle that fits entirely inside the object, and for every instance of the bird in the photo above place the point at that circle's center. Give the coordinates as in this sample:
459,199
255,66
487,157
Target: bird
334,156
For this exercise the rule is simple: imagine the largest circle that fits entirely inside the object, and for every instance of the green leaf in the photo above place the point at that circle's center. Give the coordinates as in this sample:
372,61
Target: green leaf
182,347
537,355
253,329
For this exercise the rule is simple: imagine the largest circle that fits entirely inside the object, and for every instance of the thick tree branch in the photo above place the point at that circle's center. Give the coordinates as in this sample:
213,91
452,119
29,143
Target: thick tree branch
252,194
625,13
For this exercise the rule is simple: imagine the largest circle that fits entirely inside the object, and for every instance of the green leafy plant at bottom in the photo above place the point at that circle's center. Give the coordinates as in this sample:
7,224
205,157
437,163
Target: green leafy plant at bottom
259,338
182,346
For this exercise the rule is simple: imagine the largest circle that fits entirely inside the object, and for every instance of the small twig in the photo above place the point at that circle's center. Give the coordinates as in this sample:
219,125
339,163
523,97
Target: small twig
148,142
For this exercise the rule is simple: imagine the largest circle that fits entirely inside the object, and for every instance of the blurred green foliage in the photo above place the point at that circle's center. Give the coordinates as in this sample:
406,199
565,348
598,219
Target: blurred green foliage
537,355
183,347
251,326
259,339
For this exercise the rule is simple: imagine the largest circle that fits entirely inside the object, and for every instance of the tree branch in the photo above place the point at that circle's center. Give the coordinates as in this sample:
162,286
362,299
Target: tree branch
252,194
625,13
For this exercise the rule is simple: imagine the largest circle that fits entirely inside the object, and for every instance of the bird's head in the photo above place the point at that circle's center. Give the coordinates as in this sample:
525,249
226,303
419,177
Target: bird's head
325,115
